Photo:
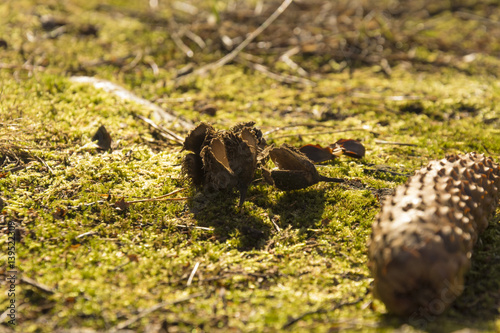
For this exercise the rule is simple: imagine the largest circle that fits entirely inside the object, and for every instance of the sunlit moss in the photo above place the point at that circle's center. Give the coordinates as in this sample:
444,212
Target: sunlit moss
282,254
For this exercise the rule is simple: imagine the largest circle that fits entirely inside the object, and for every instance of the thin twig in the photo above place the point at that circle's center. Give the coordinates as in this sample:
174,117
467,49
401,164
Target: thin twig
386,171
285,57
88,204
320,133
195,38
180,44
154,67
278,77
168,133
152,309
231,56
133,63
193,272
37,285
276,129
278,229
160,198
18,168
44,163
27,67
85,234
472,16
388,98
194,227
383,142
306,314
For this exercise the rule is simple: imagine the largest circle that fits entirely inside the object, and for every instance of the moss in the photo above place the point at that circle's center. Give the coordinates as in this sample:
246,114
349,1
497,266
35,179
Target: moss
284,253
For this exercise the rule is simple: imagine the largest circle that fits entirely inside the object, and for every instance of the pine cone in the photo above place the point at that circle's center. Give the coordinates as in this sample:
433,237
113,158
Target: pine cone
422,240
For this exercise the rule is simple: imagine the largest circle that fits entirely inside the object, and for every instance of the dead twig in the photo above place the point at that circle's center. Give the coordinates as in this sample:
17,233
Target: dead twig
44,163
133,63
276,129
160,198
152,309
320,133
195,38
319,311
180,44
231,56
168,134
194,227
285,57
40,286
193,273
126,203
27,67
383,142
290,79
370,171
472,16
85,234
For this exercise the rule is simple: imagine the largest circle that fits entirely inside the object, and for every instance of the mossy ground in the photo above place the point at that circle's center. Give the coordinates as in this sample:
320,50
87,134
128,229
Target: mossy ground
280,256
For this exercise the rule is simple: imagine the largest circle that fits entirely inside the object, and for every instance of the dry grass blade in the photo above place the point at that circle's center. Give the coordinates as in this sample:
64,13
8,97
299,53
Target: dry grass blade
165,132
290,79
231,56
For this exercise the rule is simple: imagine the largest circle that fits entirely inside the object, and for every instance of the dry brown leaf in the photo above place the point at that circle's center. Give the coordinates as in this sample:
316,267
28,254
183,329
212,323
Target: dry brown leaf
103,138
59,214
121,204
316,153
350,147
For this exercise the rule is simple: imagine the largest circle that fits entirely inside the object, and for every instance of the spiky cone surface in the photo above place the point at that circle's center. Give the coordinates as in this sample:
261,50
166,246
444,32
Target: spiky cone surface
423,237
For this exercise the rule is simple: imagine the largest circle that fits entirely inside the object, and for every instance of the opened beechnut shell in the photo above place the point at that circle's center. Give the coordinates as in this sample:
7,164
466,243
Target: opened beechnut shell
223,160
423,237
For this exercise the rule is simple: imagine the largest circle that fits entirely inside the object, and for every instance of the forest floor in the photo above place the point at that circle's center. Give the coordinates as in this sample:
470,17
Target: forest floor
412,81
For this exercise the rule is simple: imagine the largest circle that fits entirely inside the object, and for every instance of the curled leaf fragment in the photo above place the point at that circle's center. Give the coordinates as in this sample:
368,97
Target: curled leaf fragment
196,137
295,170
317,154
350,147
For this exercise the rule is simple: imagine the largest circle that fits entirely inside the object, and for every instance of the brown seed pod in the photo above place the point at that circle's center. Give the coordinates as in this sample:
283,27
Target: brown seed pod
195,139
295,170
423,237
222,159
